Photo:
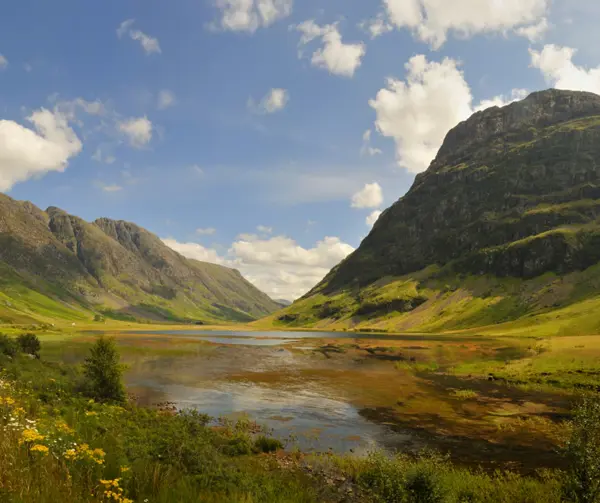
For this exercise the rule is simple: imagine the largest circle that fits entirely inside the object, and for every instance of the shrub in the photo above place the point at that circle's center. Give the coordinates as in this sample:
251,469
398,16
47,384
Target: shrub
29,344
103,373
267,444
8,346
582,484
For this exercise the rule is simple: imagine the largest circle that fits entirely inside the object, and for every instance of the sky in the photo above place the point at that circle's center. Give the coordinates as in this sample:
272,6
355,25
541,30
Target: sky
265,135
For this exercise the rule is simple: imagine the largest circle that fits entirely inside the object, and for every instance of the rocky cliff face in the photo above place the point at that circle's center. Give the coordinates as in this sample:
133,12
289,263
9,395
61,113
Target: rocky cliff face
118,267
513,191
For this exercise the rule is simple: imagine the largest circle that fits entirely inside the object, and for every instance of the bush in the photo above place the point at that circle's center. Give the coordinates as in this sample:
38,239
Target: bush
582,484
267,444
29,344
8,346
103,373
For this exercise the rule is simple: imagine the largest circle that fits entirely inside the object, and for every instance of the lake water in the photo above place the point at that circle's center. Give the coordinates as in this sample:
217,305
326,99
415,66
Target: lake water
256,375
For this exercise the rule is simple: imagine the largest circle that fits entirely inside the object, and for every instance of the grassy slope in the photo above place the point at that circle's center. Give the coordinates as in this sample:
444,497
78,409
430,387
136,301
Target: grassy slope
543,306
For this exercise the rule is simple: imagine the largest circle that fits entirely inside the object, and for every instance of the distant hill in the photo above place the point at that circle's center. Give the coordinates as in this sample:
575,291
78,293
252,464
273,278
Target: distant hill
283,302
56,265
502,232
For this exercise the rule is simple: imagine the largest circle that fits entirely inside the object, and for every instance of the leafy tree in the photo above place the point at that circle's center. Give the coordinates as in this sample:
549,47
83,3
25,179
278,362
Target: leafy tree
582,484
8,346
29,344
103,372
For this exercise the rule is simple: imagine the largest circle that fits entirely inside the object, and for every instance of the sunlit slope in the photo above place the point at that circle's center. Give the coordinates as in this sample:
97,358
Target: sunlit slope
502,232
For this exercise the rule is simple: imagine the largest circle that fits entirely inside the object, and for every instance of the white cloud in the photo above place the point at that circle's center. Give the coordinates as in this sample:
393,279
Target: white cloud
275,100
431,20
335,56
377,26
100,156
166,99
209,231
370,196
278,266
556,64
501,100
196,252
264,229
111,188
249,15
534,32
148,43
27,153
138,130
3,62
419,112
372,218
366,148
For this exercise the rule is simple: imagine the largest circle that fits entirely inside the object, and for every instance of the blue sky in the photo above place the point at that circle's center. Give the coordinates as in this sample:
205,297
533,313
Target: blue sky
201,120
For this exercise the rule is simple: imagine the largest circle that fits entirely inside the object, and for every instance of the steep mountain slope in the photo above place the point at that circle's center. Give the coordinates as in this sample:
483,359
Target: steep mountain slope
507,212
111,267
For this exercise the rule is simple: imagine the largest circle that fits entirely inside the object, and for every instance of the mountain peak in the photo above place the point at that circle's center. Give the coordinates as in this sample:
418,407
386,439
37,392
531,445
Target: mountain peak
539,109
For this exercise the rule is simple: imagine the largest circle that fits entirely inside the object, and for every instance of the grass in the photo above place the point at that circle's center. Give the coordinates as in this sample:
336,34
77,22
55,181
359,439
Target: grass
58,445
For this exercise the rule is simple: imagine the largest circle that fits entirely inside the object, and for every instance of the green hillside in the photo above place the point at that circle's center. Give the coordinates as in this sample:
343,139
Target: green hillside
57,266
501,233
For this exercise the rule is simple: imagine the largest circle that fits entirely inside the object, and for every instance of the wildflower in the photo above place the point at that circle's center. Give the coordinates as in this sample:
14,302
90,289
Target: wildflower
30,435
40,448
91,413
124,469
64,427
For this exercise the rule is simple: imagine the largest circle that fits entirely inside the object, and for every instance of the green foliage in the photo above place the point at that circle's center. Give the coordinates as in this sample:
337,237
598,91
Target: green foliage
267,444
103,373
29,344
583,454
8,346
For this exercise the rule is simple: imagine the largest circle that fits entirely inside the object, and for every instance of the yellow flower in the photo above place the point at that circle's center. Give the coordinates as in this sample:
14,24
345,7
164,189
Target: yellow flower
70,454
40,448
124,469
30,435
64,427
19,410
91,413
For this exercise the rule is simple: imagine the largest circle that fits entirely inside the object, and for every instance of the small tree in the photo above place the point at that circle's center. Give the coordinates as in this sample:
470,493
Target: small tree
582,484
103,372
29,344
8,346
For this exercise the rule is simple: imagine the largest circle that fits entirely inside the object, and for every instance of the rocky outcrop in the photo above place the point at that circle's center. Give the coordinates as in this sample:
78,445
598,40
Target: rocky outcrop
513,191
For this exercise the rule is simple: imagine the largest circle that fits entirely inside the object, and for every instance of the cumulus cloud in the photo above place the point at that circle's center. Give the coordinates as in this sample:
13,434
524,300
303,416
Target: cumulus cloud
377,26
366,148
370,196
419,112
502,100
372,218
109,187
100,156
264,229
556,64
208,231
165,99
27,153
138,131
196,251
249,15
335,56
279,266
3,62
431,20
275,100
148,43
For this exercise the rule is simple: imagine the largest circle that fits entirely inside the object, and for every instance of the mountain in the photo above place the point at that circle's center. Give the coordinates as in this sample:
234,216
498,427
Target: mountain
502,229
56,265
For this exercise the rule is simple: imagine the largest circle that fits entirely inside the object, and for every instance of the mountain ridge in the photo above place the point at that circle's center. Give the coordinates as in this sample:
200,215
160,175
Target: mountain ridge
116,269
513,195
